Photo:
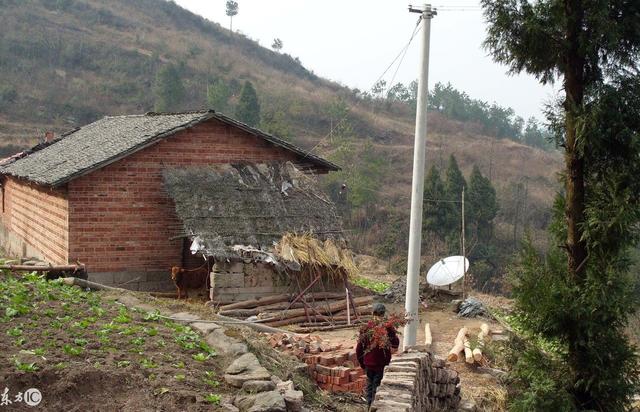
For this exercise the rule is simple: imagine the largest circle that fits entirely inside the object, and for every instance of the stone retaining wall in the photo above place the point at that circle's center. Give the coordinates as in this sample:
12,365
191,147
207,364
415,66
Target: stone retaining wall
238,281
416,382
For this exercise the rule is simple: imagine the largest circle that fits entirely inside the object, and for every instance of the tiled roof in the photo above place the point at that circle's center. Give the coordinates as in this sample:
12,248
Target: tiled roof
114,137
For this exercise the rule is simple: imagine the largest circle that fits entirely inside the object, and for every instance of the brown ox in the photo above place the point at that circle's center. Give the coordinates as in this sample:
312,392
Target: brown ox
185,279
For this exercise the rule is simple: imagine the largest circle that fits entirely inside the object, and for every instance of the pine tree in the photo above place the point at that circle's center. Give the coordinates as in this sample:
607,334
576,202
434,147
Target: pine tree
277,45
436,211
578,296
483,205
231,10
248,109
454,182
275,122
169,90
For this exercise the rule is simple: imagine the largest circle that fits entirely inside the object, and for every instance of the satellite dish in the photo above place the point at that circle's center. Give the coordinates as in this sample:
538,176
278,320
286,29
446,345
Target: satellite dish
447,270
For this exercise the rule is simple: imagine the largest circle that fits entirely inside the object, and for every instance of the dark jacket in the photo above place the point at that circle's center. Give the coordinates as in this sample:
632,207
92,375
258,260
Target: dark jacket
377,358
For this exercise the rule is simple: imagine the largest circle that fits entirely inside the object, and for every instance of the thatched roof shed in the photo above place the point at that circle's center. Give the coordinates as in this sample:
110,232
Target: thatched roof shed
249,204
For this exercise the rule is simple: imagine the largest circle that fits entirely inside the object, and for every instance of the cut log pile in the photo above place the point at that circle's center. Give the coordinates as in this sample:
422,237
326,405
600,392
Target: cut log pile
463,349
310,312
333,367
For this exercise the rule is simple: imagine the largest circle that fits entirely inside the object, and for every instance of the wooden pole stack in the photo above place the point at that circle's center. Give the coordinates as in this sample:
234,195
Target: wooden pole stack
458,346
461,344
313,310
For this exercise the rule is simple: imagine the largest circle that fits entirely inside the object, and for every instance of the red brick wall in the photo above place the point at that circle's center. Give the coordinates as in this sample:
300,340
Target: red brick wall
39,216
120,217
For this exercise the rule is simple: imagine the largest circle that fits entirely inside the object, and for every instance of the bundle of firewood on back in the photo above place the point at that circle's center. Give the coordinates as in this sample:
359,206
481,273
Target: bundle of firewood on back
317,311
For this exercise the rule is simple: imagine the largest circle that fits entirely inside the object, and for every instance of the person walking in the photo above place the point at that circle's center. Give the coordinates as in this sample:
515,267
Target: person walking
376,341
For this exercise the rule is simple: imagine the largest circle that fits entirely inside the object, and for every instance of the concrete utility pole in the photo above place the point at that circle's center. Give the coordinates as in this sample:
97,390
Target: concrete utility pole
464,254
417,187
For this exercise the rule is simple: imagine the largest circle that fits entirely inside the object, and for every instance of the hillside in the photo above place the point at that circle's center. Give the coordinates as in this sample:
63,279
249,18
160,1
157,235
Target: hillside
68,62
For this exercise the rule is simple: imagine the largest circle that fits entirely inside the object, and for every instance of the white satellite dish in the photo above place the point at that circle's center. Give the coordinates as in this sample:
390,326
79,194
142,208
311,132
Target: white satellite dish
447,270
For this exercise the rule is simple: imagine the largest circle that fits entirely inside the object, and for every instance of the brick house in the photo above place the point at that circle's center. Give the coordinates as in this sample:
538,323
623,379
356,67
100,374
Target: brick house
97,194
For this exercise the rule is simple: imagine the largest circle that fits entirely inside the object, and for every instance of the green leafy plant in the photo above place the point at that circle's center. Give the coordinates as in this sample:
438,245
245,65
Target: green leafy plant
213,399
36,352
139,341
83,324
152,316
378,287
150,331
129,331
123,363
15,331
201,357
206,348
179,377
123,316
160,391
211,382
80,341
148,363
72,350
25,367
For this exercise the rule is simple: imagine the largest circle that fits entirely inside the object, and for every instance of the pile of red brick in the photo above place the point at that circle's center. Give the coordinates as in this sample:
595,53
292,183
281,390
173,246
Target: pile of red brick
333,367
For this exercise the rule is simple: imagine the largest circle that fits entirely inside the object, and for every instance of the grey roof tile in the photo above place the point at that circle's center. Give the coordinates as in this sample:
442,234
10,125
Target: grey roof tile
114,137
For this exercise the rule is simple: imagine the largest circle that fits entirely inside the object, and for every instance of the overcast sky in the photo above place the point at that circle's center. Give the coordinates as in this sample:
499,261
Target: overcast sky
353,41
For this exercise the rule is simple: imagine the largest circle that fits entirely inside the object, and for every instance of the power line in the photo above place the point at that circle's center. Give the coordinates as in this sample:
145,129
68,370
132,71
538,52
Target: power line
401,54
451,7
402,58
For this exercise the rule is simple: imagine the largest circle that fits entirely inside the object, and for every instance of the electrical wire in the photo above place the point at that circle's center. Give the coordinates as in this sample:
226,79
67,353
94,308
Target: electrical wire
400,55
418,28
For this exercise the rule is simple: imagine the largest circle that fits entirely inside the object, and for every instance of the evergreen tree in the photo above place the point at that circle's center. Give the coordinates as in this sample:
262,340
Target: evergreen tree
277,45
169,90
454,182
231,10
248,108
578,296
218,94
364,176
275,122
436,211
483,205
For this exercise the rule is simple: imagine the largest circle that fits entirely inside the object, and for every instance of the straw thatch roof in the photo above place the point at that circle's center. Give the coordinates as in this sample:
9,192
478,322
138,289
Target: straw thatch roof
249,204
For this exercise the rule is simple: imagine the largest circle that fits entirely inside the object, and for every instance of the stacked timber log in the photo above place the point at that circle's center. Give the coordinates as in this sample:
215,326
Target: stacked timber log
462,347
311,312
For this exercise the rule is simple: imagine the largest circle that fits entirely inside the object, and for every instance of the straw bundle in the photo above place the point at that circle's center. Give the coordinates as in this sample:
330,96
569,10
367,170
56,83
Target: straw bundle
306,249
